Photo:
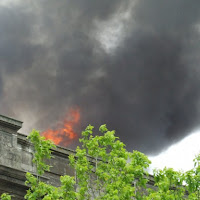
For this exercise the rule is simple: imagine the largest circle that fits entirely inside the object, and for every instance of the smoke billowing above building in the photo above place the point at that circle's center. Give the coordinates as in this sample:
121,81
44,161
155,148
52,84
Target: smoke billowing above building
131,64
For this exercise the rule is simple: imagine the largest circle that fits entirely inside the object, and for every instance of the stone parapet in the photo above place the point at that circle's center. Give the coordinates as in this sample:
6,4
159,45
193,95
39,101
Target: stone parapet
16,154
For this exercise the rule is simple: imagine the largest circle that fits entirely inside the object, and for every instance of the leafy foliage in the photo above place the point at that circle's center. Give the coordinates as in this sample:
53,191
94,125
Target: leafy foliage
105,170
192,178
5,196
42,151
169,183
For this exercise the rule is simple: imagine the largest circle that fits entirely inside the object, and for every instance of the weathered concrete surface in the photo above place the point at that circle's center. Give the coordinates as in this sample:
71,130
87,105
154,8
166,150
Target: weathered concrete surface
16,155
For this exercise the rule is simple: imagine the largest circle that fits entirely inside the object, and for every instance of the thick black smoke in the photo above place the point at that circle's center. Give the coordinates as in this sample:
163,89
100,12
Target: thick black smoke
142,79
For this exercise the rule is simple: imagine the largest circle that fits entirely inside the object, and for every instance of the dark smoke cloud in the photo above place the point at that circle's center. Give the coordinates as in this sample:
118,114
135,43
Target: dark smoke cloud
146,87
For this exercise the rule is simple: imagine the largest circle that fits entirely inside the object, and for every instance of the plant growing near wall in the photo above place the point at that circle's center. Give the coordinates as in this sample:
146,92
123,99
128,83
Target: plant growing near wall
192,179
42,151
105,170
5,196
169,184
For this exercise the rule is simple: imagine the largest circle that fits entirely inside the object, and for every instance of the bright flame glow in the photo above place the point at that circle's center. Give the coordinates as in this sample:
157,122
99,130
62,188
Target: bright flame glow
65,134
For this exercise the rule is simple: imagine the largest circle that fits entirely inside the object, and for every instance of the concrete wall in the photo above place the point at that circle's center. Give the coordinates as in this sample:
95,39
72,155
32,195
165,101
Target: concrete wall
16,155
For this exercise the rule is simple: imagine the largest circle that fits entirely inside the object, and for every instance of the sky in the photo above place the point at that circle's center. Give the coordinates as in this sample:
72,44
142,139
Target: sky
132,64
178,156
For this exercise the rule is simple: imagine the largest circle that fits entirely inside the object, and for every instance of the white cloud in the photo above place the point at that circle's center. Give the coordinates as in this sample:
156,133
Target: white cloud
180,155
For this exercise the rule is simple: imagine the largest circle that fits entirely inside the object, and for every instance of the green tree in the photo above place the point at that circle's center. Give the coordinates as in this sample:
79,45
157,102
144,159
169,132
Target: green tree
5,196
192,179
169,185
105,170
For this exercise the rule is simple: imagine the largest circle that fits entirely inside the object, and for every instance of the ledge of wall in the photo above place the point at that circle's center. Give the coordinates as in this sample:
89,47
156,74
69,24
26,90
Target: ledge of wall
16,154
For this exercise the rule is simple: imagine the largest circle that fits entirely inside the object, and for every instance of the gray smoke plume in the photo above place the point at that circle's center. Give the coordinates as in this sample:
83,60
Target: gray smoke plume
132,64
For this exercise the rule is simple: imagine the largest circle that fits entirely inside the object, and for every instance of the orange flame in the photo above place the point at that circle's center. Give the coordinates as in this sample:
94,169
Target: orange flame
65,134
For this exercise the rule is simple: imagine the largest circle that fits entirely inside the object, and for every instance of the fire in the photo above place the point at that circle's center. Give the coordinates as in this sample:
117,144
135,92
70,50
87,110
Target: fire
65,134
